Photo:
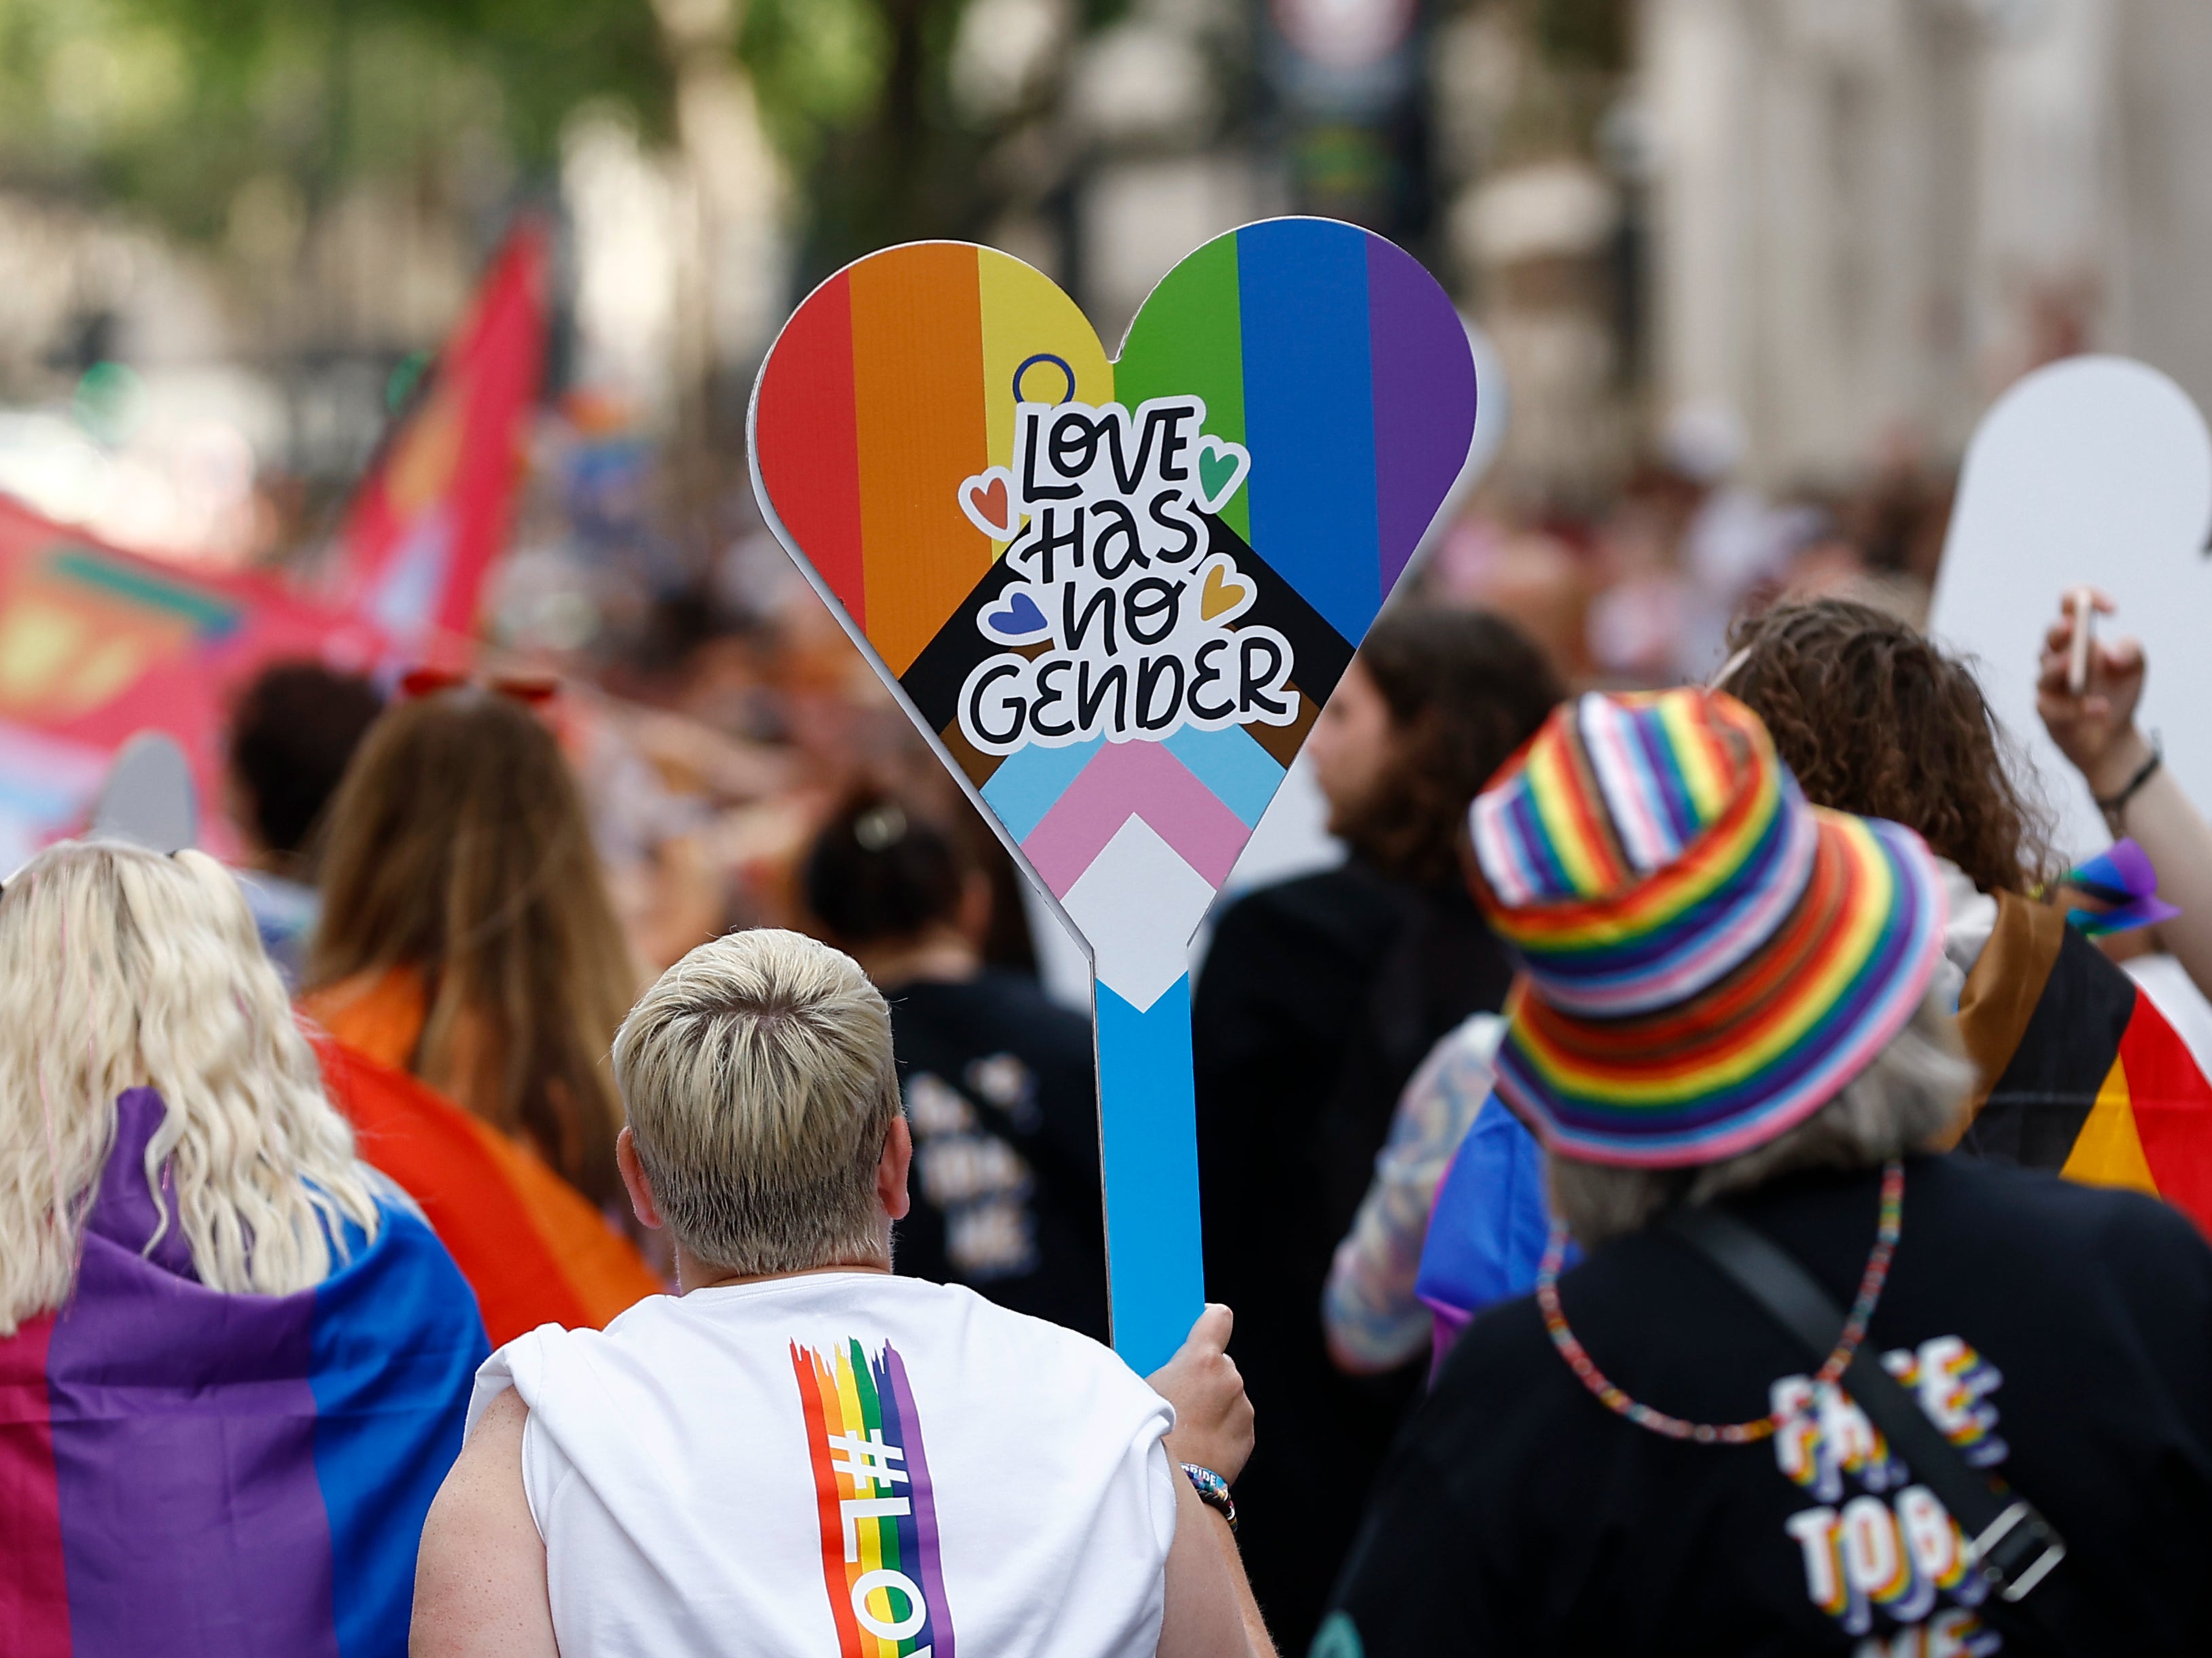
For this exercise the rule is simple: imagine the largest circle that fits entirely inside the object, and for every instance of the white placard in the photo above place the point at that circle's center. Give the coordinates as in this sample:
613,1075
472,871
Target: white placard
2096,470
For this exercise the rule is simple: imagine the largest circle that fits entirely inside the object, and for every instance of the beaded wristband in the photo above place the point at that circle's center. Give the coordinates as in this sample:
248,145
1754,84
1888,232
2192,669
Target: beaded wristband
2111,805
1212,1491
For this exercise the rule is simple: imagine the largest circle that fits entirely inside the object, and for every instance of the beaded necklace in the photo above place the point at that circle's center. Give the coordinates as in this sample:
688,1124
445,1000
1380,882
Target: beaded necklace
1732,1433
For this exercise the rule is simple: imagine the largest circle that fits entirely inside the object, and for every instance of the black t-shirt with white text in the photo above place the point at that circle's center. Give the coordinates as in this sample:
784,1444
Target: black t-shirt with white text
2060,1335
1001,1095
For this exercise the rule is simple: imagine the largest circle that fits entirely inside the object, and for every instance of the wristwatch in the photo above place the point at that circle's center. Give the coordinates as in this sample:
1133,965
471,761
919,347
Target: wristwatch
1212,1491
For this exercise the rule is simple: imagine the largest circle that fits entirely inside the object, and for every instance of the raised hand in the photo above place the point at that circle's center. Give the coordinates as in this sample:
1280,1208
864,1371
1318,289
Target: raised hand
1214,1415
2094,728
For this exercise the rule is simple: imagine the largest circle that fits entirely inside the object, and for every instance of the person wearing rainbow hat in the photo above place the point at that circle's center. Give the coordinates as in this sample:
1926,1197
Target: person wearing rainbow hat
1726,1039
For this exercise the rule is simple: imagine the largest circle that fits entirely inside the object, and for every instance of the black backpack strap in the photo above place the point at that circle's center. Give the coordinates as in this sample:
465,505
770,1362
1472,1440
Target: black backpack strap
2014,1547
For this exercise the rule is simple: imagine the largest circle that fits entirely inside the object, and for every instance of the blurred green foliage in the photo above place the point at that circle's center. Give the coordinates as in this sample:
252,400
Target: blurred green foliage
818,66
1585,34
198,111
858,95
178,106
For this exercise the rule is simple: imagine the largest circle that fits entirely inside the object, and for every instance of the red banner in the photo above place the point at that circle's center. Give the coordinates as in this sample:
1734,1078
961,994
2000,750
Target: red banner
96,643
434,511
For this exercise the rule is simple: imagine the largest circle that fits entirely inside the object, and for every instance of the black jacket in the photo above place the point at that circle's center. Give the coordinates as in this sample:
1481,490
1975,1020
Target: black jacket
1318,1000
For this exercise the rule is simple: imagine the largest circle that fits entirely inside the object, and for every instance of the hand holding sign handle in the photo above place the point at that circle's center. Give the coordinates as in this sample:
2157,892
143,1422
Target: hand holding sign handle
1114,595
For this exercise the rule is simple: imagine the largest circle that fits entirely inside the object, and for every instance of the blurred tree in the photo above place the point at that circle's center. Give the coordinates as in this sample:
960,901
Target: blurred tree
178,106
860,95
188,108
1587,34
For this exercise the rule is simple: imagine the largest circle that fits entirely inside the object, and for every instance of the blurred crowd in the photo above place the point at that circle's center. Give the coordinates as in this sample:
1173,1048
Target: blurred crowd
719,714
588,1144
1640,592
681,964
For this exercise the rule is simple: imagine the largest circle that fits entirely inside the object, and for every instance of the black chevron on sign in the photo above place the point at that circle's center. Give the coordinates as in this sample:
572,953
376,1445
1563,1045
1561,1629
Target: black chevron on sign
1319,653
933,679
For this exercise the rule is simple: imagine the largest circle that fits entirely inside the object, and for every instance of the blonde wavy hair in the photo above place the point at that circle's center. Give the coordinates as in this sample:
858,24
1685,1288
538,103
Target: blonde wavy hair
120,969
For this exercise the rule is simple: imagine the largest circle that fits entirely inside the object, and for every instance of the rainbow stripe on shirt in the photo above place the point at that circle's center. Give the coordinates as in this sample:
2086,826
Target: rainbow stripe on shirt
879,1547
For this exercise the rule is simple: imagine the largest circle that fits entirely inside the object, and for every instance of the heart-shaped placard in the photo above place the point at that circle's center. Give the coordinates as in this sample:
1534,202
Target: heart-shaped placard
1115,595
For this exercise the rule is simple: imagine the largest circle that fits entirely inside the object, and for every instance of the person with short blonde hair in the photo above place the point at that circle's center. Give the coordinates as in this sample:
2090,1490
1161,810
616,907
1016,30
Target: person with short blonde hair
801,1453
1000,1079
234,1359
759,1087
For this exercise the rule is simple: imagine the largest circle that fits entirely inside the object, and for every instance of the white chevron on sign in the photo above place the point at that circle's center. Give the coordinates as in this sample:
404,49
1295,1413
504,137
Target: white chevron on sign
1138,904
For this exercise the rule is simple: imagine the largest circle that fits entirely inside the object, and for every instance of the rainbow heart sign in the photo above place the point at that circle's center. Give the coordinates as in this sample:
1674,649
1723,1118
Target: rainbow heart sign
1116,594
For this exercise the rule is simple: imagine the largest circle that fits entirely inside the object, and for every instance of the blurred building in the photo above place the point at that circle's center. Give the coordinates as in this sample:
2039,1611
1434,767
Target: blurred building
1158,152
1537,217
1870,215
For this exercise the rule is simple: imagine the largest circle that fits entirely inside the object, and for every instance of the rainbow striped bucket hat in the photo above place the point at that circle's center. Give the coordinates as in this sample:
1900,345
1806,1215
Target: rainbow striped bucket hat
1708,959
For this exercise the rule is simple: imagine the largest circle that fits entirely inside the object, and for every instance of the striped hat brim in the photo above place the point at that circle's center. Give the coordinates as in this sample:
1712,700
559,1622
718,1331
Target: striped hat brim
1760,1048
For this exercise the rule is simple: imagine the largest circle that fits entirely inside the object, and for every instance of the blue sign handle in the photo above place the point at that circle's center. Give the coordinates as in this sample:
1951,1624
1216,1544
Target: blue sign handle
1148,1155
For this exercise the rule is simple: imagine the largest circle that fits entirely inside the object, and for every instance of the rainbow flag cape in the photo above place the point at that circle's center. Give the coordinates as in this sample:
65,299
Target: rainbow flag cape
204,1475
2081,1074
530,1245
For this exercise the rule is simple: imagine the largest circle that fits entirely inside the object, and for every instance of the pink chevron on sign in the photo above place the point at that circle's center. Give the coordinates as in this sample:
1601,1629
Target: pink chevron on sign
1182,810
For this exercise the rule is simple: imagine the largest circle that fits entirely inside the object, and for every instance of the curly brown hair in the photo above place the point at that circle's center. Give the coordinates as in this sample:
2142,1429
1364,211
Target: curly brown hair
1874,719
1465,689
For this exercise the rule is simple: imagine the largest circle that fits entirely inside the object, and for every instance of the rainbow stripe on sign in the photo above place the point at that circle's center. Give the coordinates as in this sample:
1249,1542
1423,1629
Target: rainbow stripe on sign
1290,409
879,1550
1335,358
890,386
1327,352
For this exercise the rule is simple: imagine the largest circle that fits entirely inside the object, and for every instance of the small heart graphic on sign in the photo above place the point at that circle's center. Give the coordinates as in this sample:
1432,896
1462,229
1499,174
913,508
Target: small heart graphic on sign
989,501
1019,620
1221,468
1220,595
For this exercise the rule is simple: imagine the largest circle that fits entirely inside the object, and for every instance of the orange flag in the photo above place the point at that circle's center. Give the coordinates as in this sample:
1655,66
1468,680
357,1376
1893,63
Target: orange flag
530,1244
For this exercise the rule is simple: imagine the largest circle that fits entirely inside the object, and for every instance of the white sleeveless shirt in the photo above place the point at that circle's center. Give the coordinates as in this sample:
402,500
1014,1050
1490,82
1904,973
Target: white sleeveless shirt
842,1463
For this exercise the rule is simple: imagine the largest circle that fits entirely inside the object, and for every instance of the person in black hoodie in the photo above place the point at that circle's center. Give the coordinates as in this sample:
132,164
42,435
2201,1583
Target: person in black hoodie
998,1079
1319,999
